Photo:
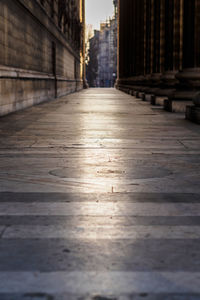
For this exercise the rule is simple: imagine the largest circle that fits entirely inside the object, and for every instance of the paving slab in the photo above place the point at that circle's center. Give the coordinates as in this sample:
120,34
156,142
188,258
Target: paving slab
99,200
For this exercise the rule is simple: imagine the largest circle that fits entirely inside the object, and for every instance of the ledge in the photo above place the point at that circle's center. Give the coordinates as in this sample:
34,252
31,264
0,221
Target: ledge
10,72
17,73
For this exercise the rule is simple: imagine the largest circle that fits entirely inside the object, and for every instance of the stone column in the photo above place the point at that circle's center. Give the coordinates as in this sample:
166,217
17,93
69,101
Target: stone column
169,38
190,76
197,35
132,38
121,40
155,45
172,46
141,37
188,58
148,31
145,33
178,35
129,55
156,65
162,36
82,20
137,30
152,37
139,43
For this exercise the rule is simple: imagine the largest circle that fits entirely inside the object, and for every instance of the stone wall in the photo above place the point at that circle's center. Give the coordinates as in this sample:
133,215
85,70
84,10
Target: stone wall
38,59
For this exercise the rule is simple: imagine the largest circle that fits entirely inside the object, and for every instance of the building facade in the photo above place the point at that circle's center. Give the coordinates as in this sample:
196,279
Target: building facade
102,61
41,51
107,56
92,65
159,52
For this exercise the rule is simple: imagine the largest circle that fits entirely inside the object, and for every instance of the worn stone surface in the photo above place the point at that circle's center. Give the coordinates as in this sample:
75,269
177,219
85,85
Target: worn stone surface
99,200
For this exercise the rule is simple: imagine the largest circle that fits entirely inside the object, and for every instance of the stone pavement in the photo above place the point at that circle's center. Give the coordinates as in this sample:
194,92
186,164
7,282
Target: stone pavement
99,199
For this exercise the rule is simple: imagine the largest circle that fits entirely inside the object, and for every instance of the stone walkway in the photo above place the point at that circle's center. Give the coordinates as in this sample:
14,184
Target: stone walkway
99,199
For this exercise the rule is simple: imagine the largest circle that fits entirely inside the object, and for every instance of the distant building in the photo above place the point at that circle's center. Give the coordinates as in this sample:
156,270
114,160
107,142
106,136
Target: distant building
92,67
102,61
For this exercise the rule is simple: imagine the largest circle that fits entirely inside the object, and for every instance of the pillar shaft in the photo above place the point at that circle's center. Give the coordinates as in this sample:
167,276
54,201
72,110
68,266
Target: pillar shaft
197,35
148,40
177,35
121,40
156,38
169,30
188,34
162,36
152,35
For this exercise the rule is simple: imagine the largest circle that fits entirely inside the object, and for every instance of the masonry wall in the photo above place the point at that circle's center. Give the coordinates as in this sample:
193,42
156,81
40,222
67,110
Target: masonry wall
38,61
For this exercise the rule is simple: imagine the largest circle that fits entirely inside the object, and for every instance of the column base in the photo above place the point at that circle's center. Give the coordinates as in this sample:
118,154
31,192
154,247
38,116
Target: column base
176,106
179,101
85,84
193,114
169,79
131,85
161,92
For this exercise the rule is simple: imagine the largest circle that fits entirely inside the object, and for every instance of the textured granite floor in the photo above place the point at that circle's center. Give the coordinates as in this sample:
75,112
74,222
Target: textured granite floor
99,199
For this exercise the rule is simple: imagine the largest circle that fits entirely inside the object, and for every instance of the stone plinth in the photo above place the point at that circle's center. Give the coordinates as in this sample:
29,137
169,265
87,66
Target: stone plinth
193,114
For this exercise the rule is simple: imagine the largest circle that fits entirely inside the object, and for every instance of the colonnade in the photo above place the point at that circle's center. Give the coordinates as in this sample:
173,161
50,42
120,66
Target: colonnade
159,50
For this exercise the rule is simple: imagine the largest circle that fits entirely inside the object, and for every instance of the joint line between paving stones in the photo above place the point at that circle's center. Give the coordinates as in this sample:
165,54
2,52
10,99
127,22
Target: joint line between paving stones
187,148
3,231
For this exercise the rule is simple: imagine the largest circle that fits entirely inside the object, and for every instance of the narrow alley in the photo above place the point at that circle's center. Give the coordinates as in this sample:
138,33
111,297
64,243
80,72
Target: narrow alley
100,199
